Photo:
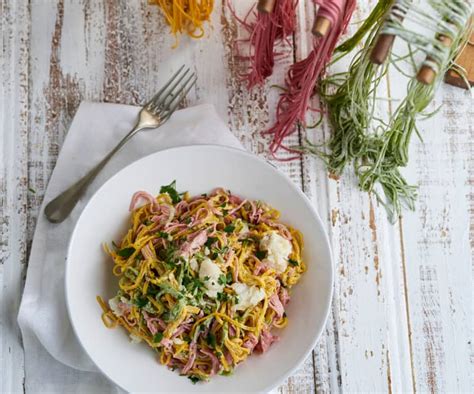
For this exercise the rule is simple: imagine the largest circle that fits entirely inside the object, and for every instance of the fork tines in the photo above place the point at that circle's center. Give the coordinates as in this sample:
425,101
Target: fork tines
172,93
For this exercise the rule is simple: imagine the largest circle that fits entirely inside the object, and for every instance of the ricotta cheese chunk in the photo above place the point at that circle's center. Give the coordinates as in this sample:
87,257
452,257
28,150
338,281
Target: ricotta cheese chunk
209,273
248,296
278,249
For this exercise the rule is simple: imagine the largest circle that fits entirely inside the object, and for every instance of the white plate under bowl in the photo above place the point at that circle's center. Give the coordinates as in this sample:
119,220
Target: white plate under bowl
197,169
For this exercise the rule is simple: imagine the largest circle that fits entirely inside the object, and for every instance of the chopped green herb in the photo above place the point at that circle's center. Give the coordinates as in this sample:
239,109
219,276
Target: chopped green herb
199,256
226,373
229,277
158,337
222,297
140,302
210,241
170,264
294,263
222,280
32,190
207,277
126,252
162,234
194,378
229,228
171,190
194,284
168,254
260,254
152,290
211,340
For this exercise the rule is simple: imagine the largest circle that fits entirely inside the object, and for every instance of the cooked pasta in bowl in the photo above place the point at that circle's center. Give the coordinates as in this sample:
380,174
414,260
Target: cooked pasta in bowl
205,278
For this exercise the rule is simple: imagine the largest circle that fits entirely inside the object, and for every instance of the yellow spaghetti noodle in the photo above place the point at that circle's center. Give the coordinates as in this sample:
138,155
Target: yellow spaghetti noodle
203,280
186,16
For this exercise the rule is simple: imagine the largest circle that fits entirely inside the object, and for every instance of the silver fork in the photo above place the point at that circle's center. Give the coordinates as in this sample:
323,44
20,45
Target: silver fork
156,112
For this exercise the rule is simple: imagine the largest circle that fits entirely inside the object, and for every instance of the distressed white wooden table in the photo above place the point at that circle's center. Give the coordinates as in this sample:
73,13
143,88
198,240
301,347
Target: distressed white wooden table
402,311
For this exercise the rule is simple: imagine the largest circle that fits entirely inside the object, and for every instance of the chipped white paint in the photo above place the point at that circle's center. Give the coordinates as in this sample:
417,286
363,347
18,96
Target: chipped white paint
402,313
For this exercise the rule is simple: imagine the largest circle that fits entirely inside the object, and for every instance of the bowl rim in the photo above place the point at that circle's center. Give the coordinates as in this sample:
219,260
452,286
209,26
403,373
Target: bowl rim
250,156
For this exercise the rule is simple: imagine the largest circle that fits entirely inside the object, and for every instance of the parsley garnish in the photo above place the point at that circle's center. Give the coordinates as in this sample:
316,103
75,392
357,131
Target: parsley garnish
168,256
171,190
162,234
158,337
229,228
222,280
126,252
170,264
260,254
222,297
211,340
210,241
294,263
226,373
140,302
194,378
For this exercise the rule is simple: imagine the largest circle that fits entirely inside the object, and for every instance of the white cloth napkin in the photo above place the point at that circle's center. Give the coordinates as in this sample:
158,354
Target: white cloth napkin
43,318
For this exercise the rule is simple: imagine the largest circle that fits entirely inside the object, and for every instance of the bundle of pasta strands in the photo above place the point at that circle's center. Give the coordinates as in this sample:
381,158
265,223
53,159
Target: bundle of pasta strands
275,20
186,16
304,75
378,147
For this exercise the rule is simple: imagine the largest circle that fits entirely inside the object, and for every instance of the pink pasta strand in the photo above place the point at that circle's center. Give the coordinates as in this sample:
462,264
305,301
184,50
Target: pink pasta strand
264,33
303,76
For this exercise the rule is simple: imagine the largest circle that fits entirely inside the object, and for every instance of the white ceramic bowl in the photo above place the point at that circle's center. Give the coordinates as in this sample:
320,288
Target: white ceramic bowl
197,169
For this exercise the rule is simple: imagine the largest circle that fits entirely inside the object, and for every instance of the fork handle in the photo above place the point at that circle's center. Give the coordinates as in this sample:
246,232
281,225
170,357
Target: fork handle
60,207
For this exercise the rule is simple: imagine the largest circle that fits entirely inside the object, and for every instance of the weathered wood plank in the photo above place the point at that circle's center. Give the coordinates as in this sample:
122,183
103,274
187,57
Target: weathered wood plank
368,330
437,247
14,193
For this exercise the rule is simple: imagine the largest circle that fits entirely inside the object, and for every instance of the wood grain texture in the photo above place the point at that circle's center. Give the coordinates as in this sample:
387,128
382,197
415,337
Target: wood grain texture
14,192
401,317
